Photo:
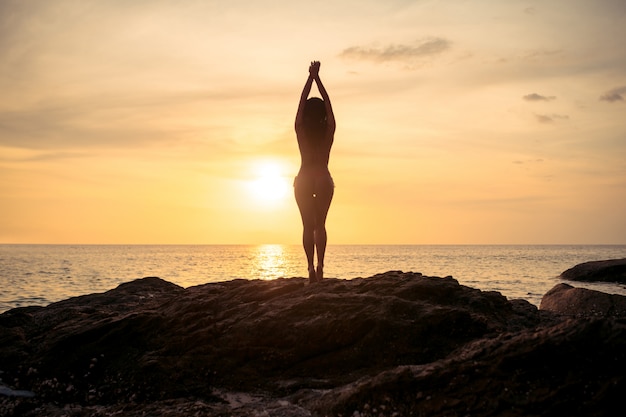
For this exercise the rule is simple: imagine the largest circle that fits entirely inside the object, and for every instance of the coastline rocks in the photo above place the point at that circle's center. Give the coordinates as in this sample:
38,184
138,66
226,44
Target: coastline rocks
612,270
392,343
565,299
566,369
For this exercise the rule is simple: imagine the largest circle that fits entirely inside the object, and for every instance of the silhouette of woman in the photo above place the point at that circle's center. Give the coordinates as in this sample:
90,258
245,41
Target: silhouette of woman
314,187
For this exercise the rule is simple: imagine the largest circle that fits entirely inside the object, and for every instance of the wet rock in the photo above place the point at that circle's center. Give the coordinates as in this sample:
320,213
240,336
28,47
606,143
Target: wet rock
565,299
571,368
613,270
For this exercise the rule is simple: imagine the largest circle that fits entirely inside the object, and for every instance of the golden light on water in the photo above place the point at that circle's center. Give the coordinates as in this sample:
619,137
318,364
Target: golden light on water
270,261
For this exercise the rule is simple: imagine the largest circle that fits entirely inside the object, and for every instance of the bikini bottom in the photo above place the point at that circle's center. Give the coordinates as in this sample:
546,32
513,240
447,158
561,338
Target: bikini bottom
314,178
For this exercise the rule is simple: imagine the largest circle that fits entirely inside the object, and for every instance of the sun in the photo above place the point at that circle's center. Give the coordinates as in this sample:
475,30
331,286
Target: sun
270,185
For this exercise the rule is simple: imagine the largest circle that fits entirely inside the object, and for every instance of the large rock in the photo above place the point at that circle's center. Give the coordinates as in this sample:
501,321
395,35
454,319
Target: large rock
565,299
573,368
612,270
396,342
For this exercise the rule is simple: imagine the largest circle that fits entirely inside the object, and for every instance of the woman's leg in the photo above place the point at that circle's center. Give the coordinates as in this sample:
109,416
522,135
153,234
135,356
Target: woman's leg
306,203
324,191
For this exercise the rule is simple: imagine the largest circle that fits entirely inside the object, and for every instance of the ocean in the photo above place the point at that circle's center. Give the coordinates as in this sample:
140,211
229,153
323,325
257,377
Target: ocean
42,274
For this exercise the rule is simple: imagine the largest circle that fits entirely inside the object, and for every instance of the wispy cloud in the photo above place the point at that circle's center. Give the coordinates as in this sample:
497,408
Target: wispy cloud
120,120
528,161
616,94
530,11
408,53
540,54
550,118
44,156
538,97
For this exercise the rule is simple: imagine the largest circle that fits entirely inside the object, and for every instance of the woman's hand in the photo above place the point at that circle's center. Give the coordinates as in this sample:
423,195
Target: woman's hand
314,69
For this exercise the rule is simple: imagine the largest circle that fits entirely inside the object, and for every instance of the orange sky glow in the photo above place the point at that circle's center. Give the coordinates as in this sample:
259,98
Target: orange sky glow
482,122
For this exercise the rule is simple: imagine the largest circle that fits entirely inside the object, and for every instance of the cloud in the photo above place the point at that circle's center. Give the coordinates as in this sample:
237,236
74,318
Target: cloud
420,49
538,97
45,156
550,118
540,54
528,161
616,94
530,11
121,120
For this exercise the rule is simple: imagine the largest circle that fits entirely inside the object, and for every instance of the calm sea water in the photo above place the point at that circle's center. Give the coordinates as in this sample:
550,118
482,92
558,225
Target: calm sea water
42,274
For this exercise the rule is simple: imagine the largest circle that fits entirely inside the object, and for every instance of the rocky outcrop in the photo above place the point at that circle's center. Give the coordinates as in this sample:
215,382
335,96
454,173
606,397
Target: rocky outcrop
392,343
551,371
565,299
613,270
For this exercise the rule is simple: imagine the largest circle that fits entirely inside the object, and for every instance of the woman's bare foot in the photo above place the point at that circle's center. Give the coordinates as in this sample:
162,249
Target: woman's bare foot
320,272
312,276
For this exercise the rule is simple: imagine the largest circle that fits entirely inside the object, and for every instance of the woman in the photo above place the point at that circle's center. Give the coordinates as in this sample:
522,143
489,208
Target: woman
314,187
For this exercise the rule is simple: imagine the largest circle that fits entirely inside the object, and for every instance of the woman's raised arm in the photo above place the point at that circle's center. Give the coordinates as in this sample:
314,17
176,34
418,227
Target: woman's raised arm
330,116
313,72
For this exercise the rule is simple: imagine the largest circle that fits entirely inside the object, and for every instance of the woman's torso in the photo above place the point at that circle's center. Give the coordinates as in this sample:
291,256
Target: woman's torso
314,154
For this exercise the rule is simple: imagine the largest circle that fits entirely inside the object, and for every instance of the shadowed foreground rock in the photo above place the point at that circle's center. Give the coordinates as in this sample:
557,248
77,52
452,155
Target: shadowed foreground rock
612,270
394,343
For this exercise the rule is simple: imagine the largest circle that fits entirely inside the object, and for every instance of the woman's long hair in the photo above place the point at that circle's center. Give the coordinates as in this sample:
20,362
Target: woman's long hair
315,118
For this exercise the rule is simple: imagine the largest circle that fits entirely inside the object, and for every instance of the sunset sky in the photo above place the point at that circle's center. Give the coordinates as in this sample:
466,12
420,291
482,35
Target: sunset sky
458,121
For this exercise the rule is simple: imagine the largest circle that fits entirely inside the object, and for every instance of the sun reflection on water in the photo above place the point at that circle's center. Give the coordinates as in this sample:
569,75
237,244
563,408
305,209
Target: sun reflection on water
270,261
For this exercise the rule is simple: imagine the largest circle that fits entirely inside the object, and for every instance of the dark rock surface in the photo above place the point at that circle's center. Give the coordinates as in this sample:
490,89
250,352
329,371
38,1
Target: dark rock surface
612,270
565,299
396,343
